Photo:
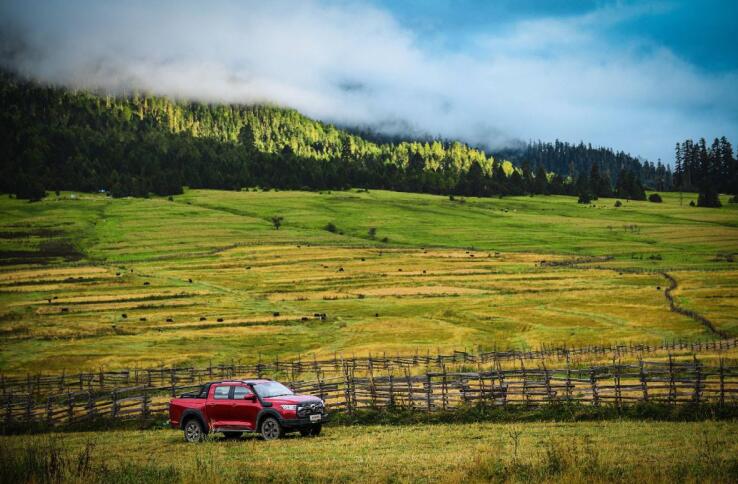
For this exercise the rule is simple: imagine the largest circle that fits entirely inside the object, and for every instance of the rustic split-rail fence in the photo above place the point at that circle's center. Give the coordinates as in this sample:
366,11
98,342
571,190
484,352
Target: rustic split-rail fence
417,382
39,385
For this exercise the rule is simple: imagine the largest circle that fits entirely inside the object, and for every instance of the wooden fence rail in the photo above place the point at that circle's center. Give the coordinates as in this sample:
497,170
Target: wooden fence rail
671,382
40,386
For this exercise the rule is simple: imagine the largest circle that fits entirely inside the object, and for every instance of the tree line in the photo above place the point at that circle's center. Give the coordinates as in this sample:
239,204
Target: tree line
134,145
707,170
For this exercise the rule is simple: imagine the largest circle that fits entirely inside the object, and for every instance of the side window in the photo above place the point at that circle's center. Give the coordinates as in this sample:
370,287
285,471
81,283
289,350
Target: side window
239,393
221,393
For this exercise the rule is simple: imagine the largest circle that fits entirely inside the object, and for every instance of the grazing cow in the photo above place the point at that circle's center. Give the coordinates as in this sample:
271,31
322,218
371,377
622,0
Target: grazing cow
146,283
203,318
275,314
170,320
220,320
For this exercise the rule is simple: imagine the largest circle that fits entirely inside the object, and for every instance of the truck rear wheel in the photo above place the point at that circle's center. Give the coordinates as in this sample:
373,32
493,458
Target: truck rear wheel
193,431
270,429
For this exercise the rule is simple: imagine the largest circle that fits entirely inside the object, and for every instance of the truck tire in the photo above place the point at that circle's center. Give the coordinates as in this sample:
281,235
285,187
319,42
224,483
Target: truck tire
313,430
193,431
271,429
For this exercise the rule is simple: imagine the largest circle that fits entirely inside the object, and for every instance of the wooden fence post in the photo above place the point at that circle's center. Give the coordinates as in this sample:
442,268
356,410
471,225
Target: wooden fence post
672,382
114,406
644,381
593,383
429,391
145,404
173,382
90,406
722,382
697,381
70,408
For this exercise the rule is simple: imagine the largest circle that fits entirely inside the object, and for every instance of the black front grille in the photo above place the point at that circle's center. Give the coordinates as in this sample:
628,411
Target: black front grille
311,408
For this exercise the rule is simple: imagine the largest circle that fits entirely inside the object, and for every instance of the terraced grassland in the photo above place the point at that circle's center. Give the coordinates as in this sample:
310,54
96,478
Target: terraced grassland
89,281
482,452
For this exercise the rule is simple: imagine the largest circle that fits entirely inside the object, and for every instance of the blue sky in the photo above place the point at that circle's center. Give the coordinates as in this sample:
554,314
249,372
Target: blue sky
635,76
701,32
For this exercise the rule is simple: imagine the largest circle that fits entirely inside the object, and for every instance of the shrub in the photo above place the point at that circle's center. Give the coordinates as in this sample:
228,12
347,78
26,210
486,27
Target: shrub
733,199
372,232
655,198
584,198
691,203
331,227
618,203
277,221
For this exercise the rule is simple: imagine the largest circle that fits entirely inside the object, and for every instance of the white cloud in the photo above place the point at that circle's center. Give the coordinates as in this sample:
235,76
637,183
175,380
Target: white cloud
351,63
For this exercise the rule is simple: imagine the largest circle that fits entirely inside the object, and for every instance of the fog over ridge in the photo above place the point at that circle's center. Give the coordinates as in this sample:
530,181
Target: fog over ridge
355,64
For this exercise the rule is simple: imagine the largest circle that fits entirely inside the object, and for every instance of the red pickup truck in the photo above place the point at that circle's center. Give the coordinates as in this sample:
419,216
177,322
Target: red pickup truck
237,406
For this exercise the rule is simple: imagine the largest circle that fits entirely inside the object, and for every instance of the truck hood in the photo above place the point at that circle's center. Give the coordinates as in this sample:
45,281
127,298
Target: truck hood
287,399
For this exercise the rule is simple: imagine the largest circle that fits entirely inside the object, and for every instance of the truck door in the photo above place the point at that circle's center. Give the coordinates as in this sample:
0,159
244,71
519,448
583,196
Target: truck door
245,407
219,405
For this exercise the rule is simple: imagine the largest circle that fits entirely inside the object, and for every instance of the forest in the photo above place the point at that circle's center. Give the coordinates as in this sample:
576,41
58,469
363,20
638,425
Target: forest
135,145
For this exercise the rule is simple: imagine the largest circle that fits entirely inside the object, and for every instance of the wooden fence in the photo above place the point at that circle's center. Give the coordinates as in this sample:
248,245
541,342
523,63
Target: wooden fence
668,382
40,386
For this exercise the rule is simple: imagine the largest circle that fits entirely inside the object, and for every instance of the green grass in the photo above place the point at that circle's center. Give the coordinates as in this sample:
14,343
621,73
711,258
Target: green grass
451,275
475,452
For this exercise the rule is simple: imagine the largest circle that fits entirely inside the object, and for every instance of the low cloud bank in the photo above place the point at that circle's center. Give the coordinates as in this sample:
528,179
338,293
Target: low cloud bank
354,64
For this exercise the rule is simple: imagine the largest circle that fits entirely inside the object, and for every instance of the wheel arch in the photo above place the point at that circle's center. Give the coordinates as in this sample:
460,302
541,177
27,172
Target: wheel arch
267,412
190,414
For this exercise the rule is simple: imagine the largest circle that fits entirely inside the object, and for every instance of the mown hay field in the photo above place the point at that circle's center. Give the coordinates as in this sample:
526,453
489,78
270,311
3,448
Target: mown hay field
88,282
610,451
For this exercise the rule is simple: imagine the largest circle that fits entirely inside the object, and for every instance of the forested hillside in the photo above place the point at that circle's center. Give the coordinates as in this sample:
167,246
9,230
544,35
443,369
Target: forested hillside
59,139
573,159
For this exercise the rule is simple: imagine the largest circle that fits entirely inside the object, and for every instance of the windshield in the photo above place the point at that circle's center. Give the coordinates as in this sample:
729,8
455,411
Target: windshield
271,389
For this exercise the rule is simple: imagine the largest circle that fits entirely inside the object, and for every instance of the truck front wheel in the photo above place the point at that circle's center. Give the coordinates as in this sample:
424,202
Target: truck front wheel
193,431
270,429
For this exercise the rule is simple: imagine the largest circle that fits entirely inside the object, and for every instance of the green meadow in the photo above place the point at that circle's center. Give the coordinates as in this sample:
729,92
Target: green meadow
611,451
87,281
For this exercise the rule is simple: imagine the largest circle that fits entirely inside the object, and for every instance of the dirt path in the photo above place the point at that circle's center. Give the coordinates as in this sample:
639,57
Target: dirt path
673,306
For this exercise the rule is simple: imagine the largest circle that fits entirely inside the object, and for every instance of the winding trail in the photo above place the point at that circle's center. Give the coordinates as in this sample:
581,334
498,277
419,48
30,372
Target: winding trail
673,306
673,284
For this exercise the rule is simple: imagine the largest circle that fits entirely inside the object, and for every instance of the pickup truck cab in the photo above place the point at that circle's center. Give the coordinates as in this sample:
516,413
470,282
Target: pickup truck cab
237,406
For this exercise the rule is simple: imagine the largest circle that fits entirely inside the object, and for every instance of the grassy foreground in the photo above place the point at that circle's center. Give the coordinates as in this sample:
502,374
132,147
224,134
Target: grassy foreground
88,282
559,452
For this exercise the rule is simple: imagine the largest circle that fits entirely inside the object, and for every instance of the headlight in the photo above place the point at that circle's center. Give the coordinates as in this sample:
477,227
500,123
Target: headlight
289,407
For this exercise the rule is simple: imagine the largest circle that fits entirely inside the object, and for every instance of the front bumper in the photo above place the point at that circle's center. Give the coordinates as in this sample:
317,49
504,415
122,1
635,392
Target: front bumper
294,423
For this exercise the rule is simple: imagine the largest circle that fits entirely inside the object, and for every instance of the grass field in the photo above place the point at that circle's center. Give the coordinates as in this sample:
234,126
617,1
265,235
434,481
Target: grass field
87,281
481,452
